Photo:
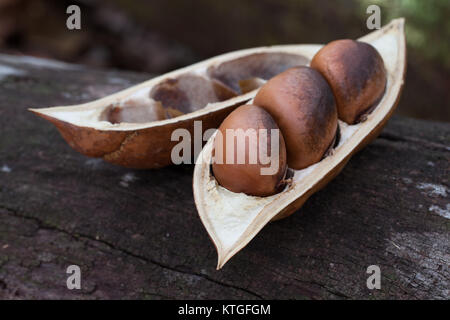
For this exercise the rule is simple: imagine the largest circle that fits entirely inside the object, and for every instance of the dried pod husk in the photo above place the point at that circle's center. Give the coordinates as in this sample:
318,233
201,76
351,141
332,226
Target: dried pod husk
303,106
244,127
128,128
233,219
356,73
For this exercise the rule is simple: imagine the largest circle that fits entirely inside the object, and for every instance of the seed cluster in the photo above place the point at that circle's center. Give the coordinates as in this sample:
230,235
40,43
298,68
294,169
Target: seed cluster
345,80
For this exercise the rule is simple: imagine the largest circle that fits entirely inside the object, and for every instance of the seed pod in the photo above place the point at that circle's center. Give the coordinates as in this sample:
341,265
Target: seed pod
234,219
355,72
139,134
302,104
239,149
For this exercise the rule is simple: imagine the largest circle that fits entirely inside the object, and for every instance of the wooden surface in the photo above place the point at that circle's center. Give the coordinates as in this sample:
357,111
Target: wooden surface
136,234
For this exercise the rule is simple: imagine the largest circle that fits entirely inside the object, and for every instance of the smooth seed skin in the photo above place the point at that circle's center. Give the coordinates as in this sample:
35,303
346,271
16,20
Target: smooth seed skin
302,104
356,74
247,177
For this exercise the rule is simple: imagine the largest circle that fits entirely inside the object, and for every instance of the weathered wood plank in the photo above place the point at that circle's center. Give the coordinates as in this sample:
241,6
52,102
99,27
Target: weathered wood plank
136,234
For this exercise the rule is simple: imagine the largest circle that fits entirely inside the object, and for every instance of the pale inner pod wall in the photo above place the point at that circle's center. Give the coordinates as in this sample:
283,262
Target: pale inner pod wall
233,219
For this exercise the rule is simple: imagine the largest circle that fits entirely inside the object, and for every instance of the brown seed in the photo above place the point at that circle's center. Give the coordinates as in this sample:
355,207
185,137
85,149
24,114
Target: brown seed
247,176
302,104
356,74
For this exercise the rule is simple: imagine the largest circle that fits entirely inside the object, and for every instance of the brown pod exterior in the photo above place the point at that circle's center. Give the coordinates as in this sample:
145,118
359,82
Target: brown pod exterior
247,177
303,106
356,74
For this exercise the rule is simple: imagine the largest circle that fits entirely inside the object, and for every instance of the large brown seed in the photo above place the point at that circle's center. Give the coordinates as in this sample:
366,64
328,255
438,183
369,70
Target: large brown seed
247,177
302,104
356,74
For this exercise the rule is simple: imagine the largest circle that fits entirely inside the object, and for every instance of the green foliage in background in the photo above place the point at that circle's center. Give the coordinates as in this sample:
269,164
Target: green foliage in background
427,25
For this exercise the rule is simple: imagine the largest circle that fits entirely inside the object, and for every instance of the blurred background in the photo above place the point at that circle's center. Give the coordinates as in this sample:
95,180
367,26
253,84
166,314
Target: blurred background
159,36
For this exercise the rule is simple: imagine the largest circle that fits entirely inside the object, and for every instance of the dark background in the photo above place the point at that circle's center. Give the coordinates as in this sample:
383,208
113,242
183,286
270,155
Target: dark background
158,36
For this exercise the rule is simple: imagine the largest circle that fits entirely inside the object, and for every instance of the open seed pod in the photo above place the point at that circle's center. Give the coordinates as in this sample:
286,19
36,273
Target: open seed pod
133,128
233,219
